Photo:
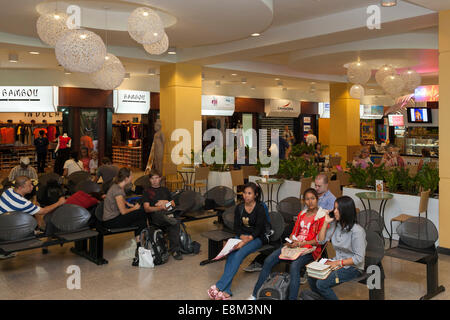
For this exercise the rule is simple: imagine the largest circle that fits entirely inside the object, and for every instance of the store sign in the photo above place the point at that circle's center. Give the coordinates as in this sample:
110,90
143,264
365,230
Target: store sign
28,99
282,108
324,110
426,93
131,102
371,112
217,105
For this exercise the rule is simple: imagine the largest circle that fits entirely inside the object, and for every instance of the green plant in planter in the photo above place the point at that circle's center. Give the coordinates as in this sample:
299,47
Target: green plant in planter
428,178
311,170
406,182
217,166
298,149
392,179
358,176
375,173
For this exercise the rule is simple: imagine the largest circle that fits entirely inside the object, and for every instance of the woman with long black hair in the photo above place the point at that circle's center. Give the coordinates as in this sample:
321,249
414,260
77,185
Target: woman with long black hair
249,224
349,241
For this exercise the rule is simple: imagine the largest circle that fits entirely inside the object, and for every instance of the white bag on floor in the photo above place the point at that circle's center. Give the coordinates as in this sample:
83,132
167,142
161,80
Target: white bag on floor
145,258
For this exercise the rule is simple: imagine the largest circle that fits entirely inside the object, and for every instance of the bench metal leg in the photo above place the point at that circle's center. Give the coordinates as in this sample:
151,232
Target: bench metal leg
214,248
433,287
95,252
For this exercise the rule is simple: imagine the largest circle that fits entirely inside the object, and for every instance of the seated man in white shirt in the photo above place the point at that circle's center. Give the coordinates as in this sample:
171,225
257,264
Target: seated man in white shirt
13,199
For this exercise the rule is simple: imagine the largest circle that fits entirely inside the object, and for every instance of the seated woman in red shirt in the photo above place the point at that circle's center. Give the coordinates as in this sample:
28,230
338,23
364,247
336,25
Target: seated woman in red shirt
305,232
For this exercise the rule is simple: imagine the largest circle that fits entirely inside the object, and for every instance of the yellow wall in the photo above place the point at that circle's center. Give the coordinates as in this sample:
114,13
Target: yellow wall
324,133
444,129
344,120
180,100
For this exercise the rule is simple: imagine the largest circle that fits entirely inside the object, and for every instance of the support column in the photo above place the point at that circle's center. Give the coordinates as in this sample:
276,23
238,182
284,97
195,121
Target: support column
344,121
444,129
180,101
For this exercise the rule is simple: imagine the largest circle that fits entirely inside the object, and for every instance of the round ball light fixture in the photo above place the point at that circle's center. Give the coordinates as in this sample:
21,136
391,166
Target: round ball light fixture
110,75
158,47
411,79
51,26
145,26
393,85
359,72
384,72
357,91
80,50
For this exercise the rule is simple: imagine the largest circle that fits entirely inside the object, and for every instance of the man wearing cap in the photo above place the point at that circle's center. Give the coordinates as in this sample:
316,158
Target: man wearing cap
23,169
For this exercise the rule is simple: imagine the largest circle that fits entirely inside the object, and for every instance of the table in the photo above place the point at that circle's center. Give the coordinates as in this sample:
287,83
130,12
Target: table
270,183
189,172
383,196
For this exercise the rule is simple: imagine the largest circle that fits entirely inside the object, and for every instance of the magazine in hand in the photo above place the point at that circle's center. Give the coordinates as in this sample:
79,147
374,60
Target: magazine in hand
229,247
319,270
293,253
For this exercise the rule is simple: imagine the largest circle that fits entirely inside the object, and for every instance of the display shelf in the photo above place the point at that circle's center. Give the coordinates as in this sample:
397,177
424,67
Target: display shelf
127,156
11,158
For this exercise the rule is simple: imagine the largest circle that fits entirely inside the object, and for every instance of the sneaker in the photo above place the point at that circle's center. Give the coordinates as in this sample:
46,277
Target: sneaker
303,280
253,267
177,255
8,256
135,262
252,297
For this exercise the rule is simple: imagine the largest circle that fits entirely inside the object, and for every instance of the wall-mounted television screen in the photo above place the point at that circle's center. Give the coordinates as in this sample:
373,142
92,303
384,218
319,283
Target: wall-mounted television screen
419,115
396,120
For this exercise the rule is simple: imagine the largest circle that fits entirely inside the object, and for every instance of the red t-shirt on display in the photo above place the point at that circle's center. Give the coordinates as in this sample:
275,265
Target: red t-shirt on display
63,142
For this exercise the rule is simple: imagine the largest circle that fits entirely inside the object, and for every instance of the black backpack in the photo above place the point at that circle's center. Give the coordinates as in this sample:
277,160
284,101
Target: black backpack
276,287
153,239
187,246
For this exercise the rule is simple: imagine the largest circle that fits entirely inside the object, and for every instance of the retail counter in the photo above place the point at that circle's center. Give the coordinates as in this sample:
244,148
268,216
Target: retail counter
409,159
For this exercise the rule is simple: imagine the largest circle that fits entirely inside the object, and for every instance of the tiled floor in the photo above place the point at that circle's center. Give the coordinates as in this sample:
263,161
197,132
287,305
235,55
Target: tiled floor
32,275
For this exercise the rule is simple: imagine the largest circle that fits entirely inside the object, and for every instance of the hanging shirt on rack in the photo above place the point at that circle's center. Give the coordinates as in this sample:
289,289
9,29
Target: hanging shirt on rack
86,141
36,132
51,133
8,136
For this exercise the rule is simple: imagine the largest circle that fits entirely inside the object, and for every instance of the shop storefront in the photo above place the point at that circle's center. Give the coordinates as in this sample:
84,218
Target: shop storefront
128,130
25,111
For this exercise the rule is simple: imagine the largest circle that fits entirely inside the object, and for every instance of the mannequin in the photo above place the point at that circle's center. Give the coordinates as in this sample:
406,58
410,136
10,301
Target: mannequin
155,160
63,146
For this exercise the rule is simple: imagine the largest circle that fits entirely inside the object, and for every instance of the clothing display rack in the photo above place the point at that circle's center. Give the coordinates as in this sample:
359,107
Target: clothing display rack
124,131
10,156
127,156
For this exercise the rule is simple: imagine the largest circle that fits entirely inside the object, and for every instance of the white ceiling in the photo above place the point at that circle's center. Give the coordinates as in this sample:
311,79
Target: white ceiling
301,40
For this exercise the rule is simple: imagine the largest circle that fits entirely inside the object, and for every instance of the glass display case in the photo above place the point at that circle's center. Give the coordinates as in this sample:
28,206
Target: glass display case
418,138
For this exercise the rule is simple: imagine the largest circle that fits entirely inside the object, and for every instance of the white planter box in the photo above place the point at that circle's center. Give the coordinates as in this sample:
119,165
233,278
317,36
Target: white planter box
288,189
401,203
216,178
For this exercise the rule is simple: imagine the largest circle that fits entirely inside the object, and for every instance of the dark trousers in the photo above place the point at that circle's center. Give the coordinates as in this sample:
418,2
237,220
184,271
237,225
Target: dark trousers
63,155
160,219
41,158
135,218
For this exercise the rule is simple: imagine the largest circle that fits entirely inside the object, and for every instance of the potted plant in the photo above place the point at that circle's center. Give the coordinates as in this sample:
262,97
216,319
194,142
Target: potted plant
428,178
358,176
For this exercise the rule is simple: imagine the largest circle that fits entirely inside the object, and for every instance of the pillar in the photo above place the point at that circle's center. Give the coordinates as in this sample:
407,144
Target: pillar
344,121
180,101
444,129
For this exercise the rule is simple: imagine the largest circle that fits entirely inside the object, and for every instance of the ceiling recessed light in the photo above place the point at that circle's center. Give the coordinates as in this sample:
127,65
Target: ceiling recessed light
13,57
253,87
280,83
277,79
172,50
256,34
67,71
152,71
388,3
33,52
244,80
145,13
234,74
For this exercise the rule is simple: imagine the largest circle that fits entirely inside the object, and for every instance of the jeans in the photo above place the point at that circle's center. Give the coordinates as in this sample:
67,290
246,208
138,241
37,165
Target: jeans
323,287
234,260
134,218
295,268
41,157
